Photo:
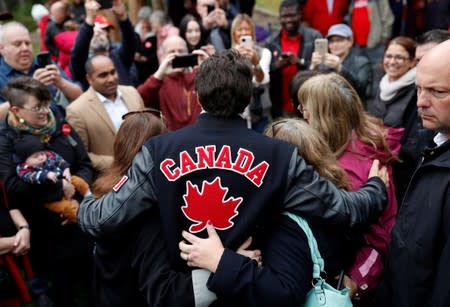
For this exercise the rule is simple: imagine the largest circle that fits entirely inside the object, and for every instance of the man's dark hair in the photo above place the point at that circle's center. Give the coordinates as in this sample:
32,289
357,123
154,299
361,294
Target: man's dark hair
88,65
291,3
18,90
224,83
433,36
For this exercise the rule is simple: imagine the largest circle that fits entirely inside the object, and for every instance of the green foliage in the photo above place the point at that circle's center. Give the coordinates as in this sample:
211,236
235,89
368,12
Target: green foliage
22,12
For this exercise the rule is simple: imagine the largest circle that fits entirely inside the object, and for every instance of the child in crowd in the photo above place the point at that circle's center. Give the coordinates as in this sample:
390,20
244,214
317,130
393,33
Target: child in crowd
40,165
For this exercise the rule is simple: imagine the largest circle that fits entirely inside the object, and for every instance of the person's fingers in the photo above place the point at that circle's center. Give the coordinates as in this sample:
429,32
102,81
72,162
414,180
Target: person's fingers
184,256
246,244
16,240
211,230
374,169
184,247
189,237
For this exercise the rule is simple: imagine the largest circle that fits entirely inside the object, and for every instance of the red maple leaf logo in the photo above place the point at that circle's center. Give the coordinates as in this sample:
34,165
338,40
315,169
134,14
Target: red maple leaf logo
210,204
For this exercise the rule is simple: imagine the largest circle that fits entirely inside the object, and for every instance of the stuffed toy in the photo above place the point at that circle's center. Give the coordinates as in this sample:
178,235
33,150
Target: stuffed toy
68,208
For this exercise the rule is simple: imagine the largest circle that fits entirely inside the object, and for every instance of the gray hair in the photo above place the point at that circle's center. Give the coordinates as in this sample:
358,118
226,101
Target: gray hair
4,28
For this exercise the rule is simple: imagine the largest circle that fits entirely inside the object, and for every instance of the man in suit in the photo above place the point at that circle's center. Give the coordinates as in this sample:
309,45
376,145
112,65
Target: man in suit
97,114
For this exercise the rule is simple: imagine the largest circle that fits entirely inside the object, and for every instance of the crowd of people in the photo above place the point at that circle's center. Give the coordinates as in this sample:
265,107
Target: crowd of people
163,168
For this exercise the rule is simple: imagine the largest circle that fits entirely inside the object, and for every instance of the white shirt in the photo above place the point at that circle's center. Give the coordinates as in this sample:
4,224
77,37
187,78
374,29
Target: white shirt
115,109
440,139
330,6
264,62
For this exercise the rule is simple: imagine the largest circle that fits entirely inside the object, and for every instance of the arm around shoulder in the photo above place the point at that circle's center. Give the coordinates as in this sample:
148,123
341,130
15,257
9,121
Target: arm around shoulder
317,199
131,196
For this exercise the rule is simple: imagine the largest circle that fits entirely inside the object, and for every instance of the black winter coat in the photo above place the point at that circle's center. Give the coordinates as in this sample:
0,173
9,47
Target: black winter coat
418,263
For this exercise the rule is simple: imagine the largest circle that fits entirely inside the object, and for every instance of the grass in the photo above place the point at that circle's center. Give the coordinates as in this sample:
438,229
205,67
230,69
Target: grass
271,5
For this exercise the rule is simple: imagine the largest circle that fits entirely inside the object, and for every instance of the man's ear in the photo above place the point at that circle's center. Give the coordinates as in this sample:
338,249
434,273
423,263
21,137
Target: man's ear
88,78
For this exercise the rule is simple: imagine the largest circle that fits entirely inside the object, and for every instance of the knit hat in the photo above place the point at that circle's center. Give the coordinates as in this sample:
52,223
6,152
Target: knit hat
28,145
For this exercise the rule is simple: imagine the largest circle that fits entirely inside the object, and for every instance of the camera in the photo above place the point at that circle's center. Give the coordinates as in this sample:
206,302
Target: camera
185,60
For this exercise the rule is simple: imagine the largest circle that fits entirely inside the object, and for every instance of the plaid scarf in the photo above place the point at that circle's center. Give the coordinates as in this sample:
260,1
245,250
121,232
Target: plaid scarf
45,133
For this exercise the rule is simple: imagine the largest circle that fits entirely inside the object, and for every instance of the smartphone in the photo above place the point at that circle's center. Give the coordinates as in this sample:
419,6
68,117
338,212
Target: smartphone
185,60
43,59
105,4
211,8
321,46
247,40
285,55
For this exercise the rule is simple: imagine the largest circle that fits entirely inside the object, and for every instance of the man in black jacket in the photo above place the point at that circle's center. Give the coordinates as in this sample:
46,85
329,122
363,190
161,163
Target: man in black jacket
237,179
418,264
91,41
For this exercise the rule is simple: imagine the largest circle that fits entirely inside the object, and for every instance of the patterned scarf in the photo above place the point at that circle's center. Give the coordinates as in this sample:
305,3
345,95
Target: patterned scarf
45,133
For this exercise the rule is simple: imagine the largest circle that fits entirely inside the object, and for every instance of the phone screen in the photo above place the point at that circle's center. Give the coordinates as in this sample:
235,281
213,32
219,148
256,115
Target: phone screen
43,59
185,60
210,8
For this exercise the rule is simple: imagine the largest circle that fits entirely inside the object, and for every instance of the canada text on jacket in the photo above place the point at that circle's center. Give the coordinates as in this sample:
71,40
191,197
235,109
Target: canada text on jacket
207,157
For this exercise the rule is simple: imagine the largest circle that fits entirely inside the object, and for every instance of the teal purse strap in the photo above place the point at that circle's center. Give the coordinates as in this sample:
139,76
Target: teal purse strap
318,263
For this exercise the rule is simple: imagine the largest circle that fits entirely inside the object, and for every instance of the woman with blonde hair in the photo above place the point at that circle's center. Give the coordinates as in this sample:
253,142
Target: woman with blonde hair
312,147
243,39
331,106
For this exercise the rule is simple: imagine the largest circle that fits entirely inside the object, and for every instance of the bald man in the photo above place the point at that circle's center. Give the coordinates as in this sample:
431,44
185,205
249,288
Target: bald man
418,263
59,14
171,90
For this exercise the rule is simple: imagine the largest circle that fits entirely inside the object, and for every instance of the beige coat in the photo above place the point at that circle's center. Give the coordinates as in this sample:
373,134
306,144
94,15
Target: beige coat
90,120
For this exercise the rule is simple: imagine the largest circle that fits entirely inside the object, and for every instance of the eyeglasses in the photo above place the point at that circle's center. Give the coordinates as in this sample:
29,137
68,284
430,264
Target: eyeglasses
397,58
155,112
38,108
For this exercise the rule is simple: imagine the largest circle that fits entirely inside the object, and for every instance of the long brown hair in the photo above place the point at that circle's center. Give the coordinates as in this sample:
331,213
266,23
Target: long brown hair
336,111
311,146
133,132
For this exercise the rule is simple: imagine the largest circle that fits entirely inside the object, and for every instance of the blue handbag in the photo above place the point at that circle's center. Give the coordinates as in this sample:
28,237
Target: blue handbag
322,294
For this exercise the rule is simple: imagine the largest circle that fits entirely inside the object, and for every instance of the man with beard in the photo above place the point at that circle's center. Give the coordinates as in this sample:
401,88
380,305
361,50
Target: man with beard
172,90
97,114
93,39
291,51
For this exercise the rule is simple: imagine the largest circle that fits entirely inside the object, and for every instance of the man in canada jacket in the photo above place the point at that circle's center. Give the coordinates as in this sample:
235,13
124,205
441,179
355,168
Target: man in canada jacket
227,175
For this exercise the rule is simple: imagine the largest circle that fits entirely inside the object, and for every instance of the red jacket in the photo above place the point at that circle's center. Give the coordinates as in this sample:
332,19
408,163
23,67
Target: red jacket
316,14
64,41
174,96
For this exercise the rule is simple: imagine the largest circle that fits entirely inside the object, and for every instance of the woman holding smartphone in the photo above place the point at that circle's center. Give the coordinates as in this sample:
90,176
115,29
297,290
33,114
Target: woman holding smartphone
192,31
243,39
